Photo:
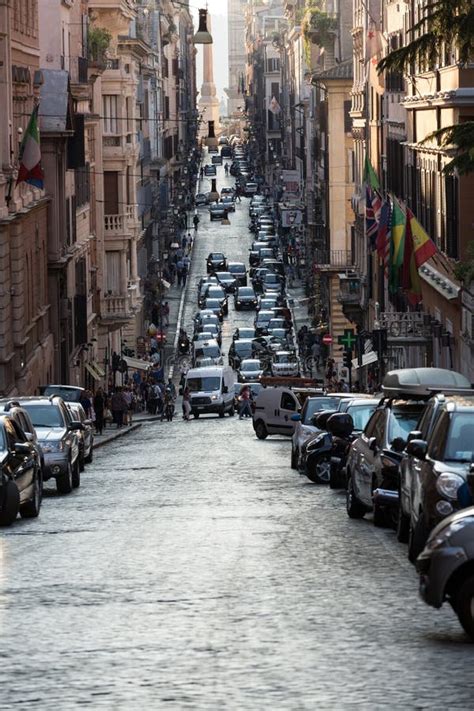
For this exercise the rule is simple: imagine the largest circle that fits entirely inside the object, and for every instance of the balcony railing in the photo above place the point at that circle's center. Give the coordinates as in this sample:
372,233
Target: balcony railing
111,141
340,258
116,307
131,213
114,224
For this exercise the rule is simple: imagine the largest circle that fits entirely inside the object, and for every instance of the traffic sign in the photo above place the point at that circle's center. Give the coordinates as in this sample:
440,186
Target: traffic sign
348,340
327,339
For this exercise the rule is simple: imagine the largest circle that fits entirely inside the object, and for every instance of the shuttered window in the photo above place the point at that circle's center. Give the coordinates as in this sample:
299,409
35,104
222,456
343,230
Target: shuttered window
110,113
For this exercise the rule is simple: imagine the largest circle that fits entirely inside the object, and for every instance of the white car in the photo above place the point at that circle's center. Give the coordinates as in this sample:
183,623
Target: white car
285,363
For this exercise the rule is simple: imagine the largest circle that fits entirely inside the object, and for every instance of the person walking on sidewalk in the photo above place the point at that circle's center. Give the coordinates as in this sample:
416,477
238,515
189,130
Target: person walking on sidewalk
201,173
118,406
99,407
184,274
196,221
165,310
226,169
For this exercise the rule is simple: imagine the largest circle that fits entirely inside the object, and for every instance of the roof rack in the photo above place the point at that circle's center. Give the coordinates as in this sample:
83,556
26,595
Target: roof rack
10,404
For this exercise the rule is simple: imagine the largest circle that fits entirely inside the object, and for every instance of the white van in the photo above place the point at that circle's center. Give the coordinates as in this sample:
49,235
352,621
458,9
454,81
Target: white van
274,409
211,390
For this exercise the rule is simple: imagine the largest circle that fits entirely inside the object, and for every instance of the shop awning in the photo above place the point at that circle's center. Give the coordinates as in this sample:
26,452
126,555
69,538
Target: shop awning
90,369
137,364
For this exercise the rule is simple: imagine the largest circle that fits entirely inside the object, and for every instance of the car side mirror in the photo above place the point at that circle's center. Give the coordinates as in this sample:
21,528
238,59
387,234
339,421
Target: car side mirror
398,444
414,434
22,448
75,426
296,417
372,444
225,389
417,448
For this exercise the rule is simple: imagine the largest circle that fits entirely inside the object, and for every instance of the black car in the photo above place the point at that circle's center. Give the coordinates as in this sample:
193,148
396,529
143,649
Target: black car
239,351
239,271
262,320
20,473
57,436
214,305
216,262
442,464
245,298
243,333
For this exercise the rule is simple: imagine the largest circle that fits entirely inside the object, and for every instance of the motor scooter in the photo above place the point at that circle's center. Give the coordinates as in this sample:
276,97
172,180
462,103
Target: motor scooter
326,453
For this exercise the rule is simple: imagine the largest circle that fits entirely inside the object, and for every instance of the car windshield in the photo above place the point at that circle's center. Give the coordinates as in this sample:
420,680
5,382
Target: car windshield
207,352
460,442
284,358
264,317
278,333
224,276
44,415
205,384
243,348
213,304
215,292
360,415
68,394
251,365
216,256
236,269
246,291
318,404
402,422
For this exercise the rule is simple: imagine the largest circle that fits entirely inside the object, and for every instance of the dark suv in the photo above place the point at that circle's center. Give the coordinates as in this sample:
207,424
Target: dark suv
439,467
20,473
56,430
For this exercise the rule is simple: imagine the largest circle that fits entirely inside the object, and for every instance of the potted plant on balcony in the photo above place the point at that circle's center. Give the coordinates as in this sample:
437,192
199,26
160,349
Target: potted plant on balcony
98,41
318,27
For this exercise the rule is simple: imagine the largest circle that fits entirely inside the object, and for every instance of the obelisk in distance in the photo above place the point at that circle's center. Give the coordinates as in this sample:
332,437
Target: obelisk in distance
208,102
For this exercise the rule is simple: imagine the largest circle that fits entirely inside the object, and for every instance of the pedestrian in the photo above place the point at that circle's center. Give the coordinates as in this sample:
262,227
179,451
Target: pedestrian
184,274
190,242
186,404
86,403
226,169
316,353
118,406
196,222
237,193
343,386
99,403
201,173
184,242
245,407
127,418
166,313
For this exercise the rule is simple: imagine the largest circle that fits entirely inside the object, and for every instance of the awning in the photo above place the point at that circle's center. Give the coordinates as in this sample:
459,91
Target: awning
90,369
137,364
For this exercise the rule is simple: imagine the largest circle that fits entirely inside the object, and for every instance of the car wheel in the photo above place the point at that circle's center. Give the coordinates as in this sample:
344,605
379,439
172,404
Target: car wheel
260,429
354,508
90,456
403,525
195,415
10,503
82,464
222,412
319,470
417,538
294,459
76,475
64,482
463,604
32,507
380,516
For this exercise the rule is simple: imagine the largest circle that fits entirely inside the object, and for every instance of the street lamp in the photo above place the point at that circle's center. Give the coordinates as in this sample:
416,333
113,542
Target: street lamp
202,36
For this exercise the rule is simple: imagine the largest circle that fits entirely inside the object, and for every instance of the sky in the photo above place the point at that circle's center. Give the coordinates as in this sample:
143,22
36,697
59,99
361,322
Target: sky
218,11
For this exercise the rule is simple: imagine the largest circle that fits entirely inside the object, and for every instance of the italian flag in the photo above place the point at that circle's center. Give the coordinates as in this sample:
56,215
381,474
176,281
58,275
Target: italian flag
30,154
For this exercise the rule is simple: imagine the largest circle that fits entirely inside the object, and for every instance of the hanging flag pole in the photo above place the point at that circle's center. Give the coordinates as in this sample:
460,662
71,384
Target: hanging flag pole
30,154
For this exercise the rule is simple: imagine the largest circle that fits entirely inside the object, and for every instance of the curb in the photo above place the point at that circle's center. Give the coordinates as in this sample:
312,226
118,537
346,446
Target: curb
116,435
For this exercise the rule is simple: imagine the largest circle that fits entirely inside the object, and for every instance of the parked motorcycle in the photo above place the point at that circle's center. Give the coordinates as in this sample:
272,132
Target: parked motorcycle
326,452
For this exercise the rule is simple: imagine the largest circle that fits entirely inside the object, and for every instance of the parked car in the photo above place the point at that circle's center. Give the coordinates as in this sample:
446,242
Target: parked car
304,427
69,393
85,436
274,410
201,199
57,434
446,565
216,262
444,464
20,473
373,460
245,298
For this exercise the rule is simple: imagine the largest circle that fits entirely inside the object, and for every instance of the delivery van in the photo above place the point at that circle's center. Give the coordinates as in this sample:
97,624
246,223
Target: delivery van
211,390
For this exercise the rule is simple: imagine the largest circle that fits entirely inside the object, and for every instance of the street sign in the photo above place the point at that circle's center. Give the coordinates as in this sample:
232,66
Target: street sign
348,340
327,339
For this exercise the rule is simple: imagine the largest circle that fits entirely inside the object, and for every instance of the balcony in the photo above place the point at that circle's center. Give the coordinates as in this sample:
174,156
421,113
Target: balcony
351,295
333,259
116,309
115,225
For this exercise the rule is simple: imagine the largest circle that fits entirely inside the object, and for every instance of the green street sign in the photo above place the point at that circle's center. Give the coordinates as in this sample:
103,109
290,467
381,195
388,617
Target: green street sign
348,340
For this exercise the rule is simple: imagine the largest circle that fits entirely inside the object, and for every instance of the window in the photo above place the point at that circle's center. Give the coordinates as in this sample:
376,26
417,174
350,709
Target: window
110,113
370,429
438,437
288,402
113,281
